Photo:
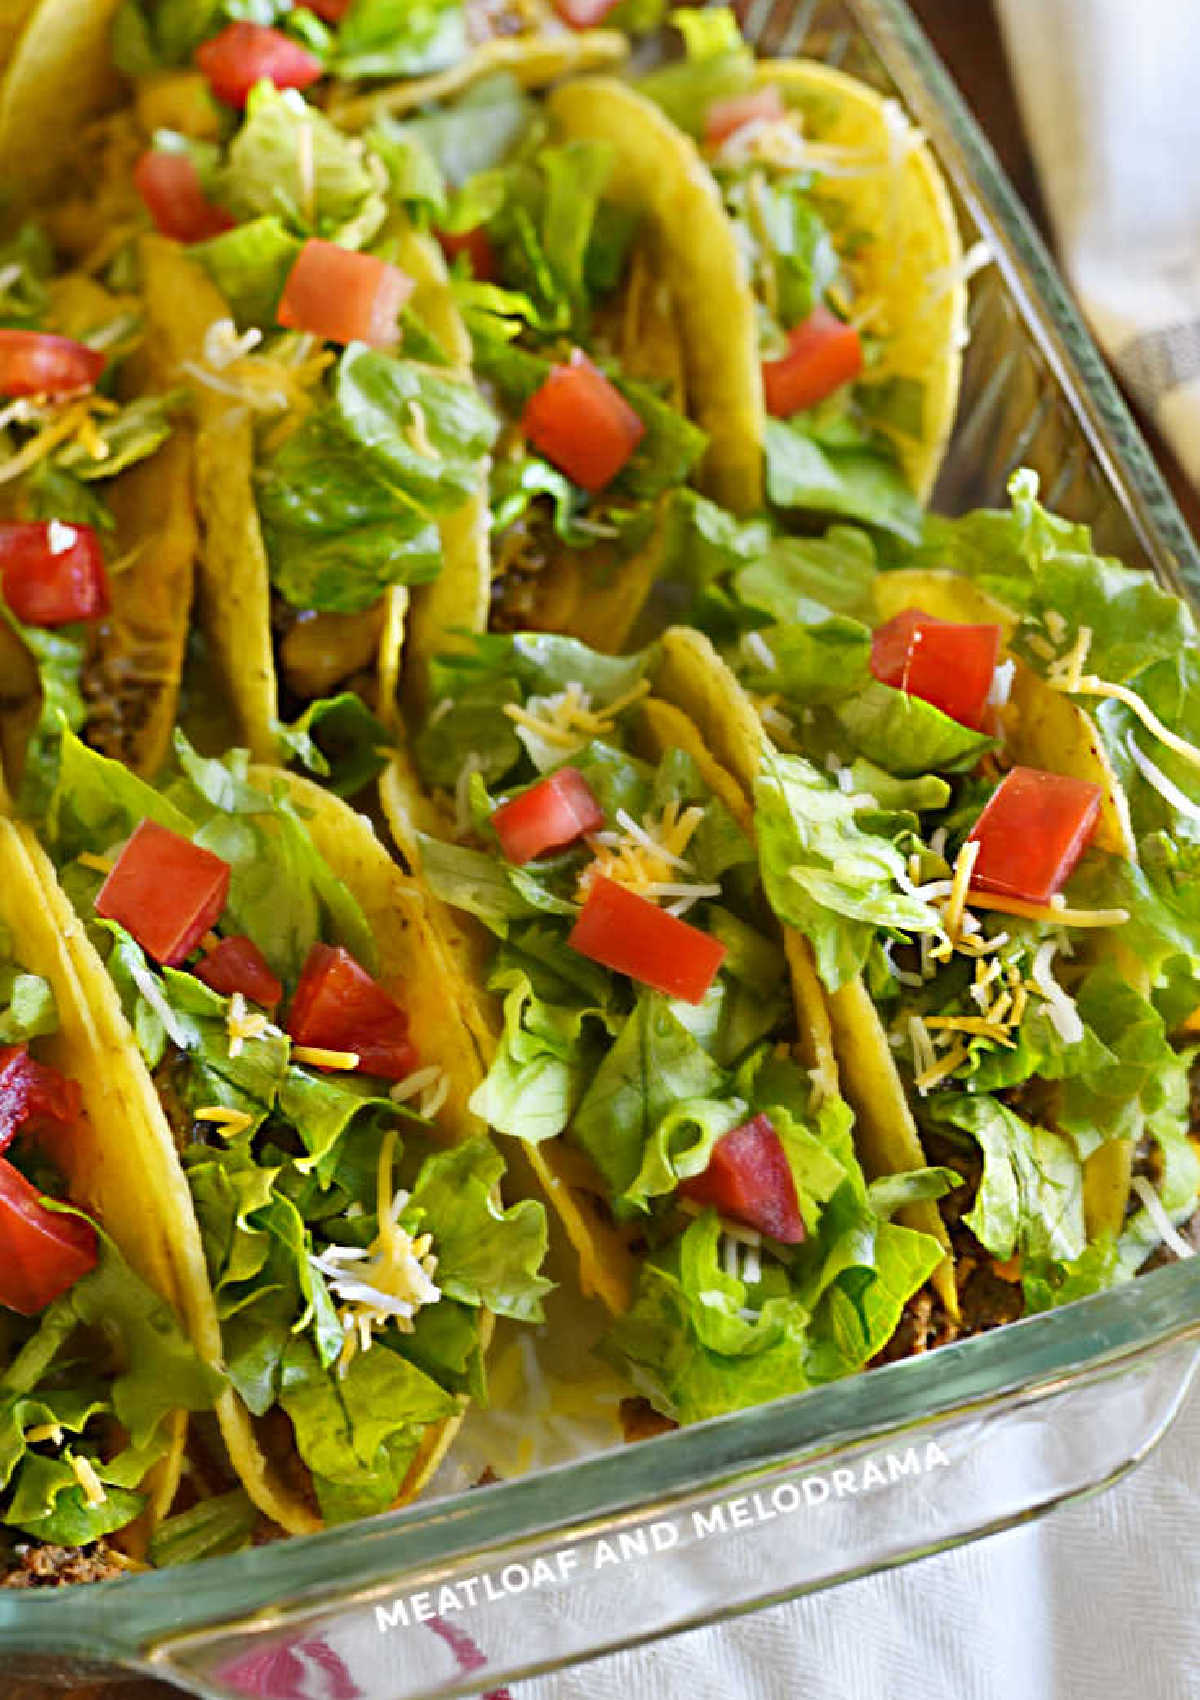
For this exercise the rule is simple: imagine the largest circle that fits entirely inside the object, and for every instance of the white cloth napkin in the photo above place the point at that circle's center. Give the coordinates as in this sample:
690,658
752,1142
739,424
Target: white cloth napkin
1097,1601
1108,89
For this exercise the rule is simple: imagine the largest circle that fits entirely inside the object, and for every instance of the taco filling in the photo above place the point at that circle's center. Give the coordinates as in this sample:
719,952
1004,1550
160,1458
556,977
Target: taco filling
353,1256
941,812
650,1049
575,340
93,1365
82,637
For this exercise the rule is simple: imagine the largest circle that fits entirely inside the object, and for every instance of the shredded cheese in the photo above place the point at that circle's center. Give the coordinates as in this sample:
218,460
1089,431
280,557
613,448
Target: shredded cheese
942,1068
150,989
1156,1211
1090,686
242,1024
568,721
89,1481
318,1057
977,1025
44,1431
1155,777
642,856
230,1122
759,648
1059,1007
1045,912
390,1281
964,866
98,864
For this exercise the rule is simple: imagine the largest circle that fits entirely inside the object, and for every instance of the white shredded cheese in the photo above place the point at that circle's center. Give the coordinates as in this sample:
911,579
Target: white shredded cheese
1001,686
1059,1007
60,537
1167,1230
626,821
150,989
759,648
1154,776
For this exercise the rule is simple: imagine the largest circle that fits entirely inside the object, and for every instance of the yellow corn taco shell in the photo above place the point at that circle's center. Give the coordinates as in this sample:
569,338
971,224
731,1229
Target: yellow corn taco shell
545,51
844,1038
57,75
113,1168
659,171
414,966
136,665
909,275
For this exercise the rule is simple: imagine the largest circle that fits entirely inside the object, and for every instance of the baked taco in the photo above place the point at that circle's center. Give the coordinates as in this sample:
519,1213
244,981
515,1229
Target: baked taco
843,341
676,1095
336,429
98,538
96,1374
344,1249
560,273
1003,930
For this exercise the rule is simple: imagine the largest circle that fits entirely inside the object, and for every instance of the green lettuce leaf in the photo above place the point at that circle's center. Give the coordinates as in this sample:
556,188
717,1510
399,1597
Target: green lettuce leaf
822,873
395,38
862,483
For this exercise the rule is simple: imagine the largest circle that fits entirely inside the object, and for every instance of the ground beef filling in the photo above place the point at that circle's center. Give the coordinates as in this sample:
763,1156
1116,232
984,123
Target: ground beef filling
38,1566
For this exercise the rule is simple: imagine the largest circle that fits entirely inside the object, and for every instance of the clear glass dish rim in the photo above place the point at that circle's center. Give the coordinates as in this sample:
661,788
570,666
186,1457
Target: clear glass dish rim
1152,1312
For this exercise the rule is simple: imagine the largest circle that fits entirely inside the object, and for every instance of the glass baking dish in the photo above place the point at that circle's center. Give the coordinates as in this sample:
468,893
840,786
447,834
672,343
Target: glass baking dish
464,1593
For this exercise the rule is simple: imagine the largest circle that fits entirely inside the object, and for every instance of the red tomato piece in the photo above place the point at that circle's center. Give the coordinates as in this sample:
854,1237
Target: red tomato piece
552,814
584,14
631,935
582,424
475,245
52,573
332,11
42,1252
33,363
343,296
170,186
823,354
948,665
1032,833
750,1179
244,54
166,891
34,1098
236,964
724,117
339,1007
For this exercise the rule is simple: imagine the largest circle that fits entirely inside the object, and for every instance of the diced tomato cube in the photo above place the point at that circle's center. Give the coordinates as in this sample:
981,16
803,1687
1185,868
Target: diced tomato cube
631,935
582,424
344,296
552,814
34,1098
170,186
1032,833
52,573
331,11
750,1179
244,54
34,363
42,1252
166,891
584,14
475,245
948,665
823,354
339,1007
236,964
724,117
